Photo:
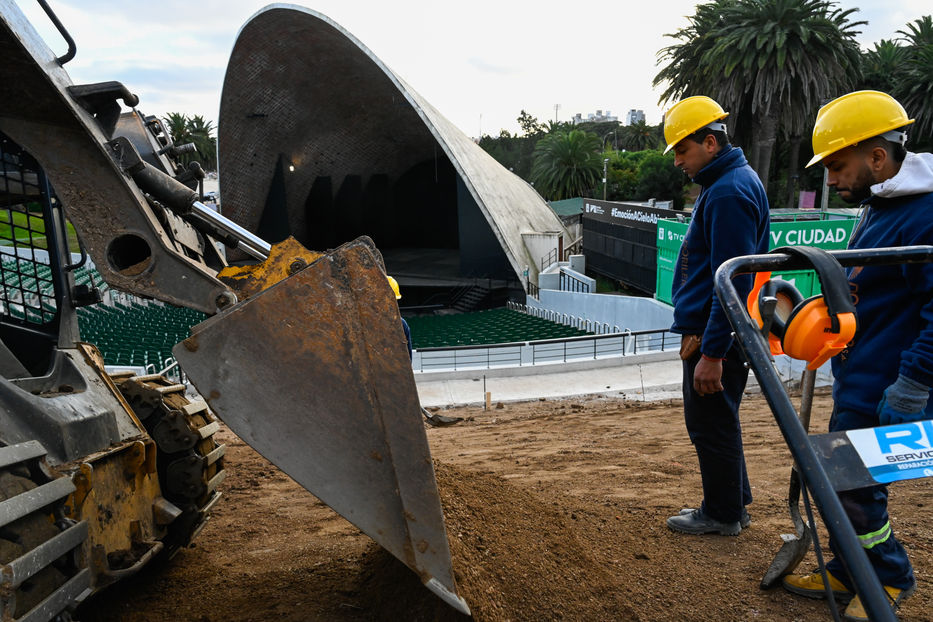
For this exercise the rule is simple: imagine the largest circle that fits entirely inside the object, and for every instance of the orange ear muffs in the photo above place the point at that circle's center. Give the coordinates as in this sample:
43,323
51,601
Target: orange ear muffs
751,303
810,335
814,329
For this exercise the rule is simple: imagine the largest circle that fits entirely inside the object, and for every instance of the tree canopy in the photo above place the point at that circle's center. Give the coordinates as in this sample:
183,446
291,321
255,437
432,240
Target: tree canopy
770,63
530,124
567,164
635,170
881,64
903,67
640,136
194,129
913,85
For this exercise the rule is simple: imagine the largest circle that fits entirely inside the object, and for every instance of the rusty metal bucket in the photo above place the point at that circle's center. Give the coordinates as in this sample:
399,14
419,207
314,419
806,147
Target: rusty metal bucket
314,374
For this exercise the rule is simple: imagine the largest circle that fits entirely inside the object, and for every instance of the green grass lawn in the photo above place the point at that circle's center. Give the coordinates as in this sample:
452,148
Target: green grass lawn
15,229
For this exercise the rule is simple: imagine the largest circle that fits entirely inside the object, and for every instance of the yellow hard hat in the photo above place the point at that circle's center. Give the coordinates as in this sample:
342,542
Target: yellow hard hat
394,285
852,118
690,114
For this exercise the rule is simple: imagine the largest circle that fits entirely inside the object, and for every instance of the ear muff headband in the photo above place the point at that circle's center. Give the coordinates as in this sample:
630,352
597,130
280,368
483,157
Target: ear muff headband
832,277
763,287
788,298
822,326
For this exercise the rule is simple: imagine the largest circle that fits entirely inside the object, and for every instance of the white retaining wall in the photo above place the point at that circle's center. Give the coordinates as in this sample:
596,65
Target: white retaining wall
625,312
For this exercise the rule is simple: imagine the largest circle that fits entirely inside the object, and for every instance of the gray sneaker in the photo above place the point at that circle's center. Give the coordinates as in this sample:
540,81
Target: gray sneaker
745,521
697,523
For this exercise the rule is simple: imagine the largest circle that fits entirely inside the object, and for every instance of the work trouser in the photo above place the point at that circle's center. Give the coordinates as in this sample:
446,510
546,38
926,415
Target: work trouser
867,509
407,336
714,429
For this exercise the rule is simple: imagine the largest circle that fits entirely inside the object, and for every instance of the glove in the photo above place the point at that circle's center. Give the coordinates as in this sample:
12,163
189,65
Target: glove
903,401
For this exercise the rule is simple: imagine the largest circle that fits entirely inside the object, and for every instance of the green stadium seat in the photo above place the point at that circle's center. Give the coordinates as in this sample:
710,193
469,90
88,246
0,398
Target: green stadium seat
484,327
138,333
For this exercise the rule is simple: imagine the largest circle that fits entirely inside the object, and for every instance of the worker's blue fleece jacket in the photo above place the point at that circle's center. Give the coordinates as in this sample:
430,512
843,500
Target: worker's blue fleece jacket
894,304
730,218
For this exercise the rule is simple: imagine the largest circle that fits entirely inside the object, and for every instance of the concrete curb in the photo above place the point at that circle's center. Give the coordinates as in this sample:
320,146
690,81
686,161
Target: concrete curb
546,368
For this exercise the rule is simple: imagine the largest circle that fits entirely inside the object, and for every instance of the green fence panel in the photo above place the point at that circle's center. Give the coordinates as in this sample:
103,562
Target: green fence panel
830,232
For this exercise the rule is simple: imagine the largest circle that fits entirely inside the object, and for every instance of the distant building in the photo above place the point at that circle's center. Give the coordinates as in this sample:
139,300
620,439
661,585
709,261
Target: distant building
598,117
634,116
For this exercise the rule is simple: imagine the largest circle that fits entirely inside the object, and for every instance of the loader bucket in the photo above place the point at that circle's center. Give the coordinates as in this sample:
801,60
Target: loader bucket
314,374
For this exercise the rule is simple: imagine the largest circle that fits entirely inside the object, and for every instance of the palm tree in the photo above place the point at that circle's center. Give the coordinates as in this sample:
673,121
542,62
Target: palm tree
771,63
196,130
566,164
919,32
197,126
640,136
685,74
177,125
881,65
914,80
200,132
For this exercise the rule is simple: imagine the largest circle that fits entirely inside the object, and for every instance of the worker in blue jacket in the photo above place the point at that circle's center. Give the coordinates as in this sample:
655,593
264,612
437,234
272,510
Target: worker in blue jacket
886,373
730,218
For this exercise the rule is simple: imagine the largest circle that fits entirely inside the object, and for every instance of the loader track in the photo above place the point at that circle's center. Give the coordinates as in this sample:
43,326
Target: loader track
41,576
189,461
20,537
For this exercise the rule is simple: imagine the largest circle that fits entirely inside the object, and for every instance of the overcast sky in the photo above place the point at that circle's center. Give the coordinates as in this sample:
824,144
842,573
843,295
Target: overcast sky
480,62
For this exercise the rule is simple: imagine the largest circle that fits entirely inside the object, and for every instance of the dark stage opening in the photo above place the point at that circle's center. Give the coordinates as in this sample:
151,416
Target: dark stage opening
432,235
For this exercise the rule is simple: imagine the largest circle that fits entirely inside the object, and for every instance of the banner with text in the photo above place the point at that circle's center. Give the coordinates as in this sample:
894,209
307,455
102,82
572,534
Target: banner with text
895,452
628,214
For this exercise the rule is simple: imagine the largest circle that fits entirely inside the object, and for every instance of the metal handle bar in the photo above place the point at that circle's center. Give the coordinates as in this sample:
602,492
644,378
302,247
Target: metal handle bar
72,49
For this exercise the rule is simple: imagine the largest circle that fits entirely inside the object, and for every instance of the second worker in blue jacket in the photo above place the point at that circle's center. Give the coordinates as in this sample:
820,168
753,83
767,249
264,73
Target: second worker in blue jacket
885,375
730,219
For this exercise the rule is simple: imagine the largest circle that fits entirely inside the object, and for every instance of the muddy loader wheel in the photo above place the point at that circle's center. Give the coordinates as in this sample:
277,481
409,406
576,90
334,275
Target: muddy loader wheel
189,461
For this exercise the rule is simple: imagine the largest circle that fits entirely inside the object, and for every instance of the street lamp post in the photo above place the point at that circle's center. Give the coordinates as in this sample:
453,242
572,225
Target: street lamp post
615,140
824,193
605,176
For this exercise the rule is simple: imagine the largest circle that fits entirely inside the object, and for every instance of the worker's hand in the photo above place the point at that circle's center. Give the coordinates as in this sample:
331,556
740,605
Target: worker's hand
707,376
903,401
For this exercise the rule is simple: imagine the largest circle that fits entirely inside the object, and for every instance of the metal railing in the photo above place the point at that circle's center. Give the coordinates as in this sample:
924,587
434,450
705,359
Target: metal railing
547,351
570,283
575,248
471,357
591,326
550,258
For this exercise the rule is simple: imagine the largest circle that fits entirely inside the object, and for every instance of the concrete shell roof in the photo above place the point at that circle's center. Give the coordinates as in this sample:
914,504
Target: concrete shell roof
300,85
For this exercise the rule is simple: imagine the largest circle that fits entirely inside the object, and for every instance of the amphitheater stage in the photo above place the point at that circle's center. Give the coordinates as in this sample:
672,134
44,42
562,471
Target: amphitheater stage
420,267
433,268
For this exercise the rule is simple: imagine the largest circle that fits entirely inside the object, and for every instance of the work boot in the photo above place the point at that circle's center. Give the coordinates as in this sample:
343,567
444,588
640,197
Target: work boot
745,521
697,522
811,586
855,612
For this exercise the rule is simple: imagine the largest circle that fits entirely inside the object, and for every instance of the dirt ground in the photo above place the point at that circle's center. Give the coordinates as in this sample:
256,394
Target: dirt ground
555,511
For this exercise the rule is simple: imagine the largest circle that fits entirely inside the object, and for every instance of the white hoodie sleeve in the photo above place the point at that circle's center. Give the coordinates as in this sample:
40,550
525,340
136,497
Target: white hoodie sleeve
915,177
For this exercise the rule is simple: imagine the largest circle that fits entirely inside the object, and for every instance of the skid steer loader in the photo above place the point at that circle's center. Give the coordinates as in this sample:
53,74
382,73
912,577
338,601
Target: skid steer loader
302,356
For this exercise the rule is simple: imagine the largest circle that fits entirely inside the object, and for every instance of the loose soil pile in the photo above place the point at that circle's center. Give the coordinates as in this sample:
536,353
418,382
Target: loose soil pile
555,511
